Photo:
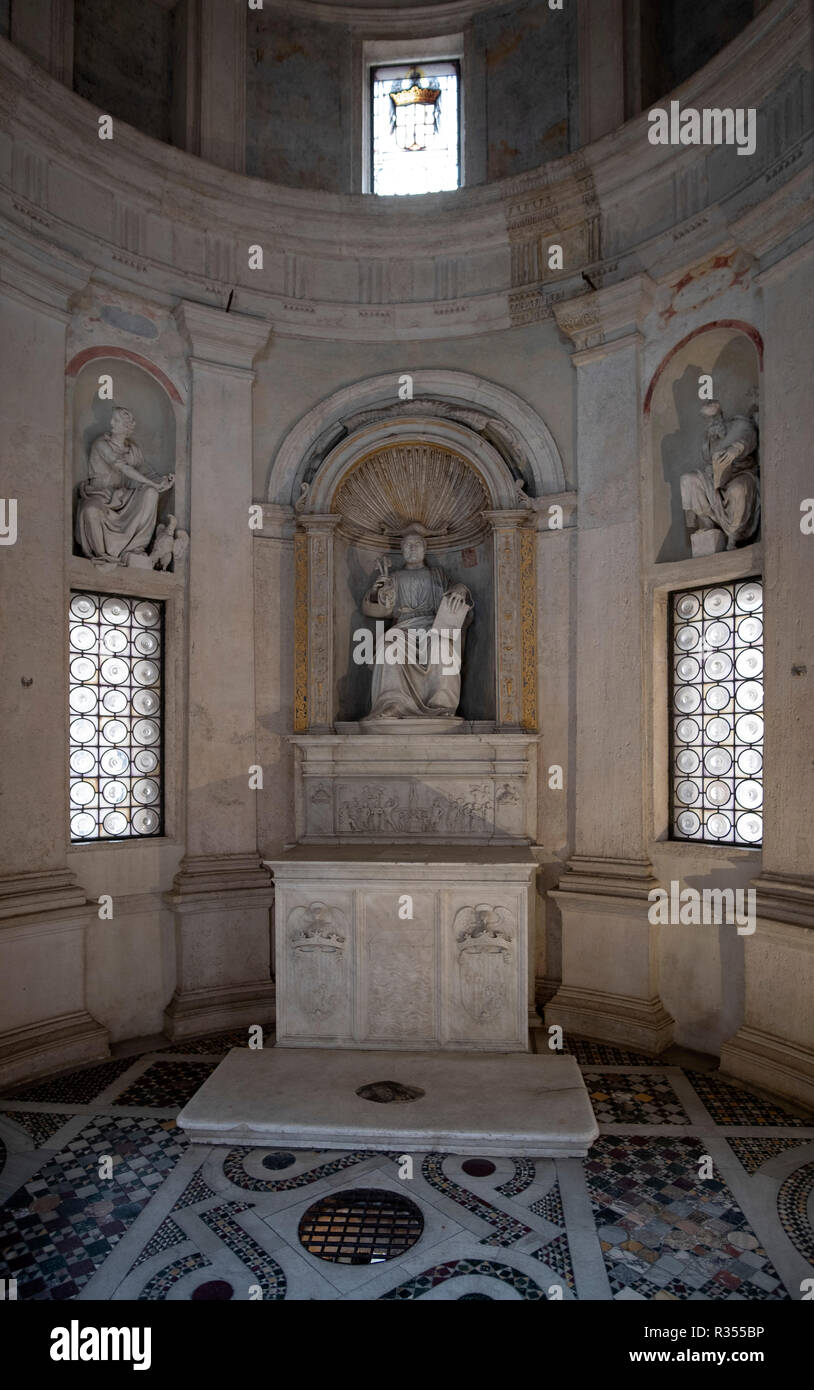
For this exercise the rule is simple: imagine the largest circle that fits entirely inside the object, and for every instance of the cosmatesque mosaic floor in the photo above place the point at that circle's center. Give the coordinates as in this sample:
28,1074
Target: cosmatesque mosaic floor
697,1189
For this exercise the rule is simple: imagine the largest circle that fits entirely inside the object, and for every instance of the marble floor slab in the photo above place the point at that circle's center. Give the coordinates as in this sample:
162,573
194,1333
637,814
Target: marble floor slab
510,1104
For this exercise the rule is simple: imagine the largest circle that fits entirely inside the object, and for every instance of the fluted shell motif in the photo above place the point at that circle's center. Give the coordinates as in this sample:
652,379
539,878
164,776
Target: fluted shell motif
412,482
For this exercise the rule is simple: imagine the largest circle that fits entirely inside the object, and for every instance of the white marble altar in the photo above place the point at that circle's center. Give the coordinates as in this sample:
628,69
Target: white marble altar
535,1106
430,950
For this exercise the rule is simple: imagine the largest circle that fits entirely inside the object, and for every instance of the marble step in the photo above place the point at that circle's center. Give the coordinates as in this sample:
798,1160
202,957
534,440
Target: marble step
511,1105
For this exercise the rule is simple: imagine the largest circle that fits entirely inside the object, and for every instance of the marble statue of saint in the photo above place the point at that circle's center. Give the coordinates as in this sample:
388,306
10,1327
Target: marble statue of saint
423,605
724,496
118,503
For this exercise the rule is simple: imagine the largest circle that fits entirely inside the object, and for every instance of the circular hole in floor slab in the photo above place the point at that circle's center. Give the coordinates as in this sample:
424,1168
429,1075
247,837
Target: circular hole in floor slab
276,1161
383,1092
478,1167
365,1225
215,1290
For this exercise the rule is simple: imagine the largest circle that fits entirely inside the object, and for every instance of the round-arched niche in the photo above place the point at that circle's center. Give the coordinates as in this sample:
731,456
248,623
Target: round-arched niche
155,430
730,353
386,486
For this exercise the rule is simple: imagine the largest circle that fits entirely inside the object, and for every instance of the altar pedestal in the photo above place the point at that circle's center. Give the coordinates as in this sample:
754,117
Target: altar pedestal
423,948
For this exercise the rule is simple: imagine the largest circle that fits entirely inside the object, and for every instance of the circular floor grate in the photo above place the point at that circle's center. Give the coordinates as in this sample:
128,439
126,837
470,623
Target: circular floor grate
478,1167
360,1227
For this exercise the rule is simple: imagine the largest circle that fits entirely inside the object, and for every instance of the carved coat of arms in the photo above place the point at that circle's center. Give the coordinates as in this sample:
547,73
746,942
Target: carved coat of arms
485,949
317,937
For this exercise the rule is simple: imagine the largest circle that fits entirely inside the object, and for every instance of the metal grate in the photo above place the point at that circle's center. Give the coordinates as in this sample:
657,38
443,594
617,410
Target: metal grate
360,1227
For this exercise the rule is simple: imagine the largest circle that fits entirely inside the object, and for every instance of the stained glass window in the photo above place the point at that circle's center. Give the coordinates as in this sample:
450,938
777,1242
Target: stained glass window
115,698
717,713
415,128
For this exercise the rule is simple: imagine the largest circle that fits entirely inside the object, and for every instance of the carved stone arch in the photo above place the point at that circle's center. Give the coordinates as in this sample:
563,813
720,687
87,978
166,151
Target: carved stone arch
514,432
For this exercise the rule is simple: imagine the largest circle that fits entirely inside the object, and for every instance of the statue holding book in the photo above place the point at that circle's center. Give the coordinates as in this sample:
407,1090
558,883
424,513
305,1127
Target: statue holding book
721,501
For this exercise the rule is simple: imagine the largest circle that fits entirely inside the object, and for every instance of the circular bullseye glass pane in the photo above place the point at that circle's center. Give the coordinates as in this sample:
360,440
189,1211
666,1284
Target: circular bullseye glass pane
145,672
717,730
115,762
82,825
114,731
749,795
115,823
83,606
717,794
718,825
687,730
687,699
687,792
82,668
145,731
749,728
82,793
687,668
688,606
750,828
750,629
749,596
115,610
717,602
115,671
114,792
717,634
115,640
145,791
687,760
717,667
717,697
146,702
145,821
749,663
146,643
83,730
687,638
688,822
146,614
83,638
750,761
146,760
749,695
718,761
83,761
83,699
114,701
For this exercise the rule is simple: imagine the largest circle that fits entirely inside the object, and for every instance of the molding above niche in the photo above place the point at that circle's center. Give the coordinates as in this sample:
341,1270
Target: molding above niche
412,481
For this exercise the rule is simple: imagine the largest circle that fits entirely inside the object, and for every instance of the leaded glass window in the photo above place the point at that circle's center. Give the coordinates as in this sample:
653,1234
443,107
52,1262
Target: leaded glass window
415,128
717,713
116,660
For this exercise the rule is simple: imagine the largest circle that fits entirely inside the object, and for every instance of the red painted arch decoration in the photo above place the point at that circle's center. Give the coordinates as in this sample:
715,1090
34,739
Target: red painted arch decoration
739,324
90,354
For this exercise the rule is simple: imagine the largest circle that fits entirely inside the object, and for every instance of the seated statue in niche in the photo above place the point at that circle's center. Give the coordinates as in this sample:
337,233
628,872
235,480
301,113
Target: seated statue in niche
721,501
117,505
417,664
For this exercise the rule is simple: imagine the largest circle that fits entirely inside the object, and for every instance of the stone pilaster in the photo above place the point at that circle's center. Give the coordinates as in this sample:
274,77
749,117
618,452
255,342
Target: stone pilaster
610,985
221,893
515,666
319,600
223,83
773,1047
43,913
601,68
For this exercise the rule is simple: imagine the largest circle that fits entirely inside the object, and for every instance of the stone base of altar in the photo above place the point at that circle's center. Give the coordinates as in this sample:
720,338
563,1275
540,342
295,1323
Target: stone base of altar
422,947
505,1106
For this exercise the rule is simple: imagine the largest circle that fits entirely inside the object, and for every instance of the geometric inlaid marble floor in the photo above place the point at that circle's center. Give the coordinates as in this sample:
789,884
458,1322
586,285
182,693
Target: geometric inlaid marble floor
696,1190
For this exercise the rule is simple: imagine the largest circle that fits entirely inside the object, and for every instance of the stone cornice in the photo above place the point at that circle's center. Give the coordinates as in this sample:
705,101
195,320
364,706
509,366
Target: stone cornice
220,339
415,21
154,219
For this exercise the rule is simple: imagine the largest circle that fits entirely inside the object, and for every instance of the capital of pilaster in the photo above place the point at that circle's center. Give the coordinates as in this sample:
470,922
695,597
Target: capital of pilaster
319,521
602,317
278,522
510,518
219,338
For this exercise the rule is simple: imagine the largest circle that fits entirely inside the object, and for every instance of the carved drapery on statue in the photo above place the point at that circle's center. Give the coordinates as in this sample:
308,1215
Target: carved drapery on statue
418,677
721,501
117,505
